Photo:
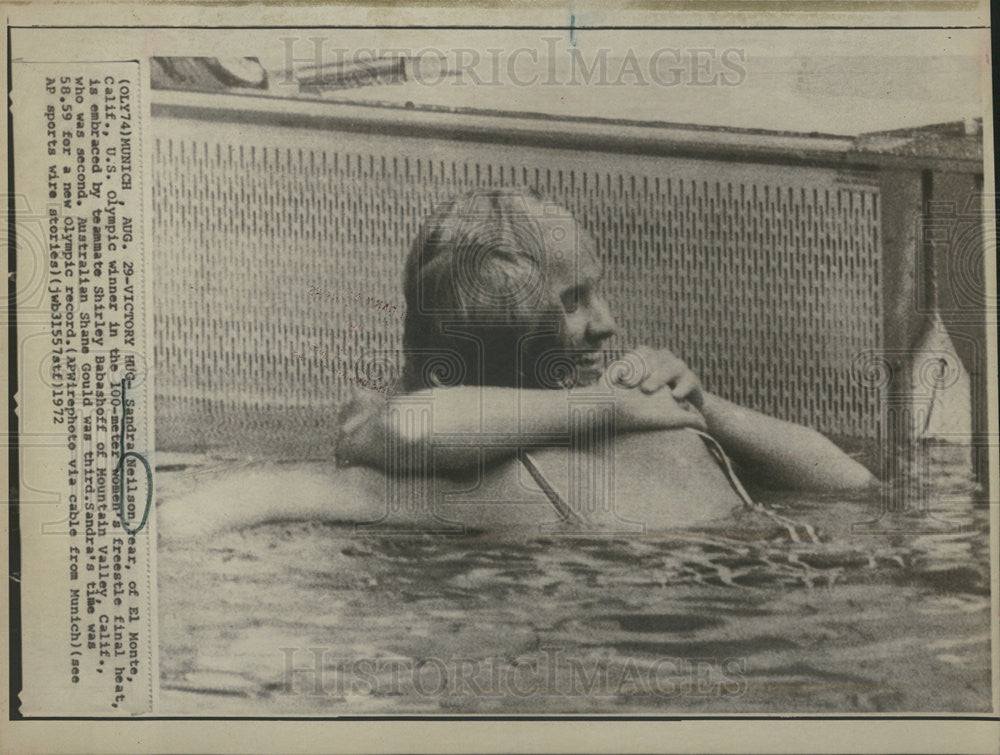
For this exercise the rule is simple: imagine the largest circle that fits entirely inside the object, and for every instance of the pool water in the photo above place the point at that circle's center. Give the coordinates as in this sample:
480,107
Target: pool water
310,619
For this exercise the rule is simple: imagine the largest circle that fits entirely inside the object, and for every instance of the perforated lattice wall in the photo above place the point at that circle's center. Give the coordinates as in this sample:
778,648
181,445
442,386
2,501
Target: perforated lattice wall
269,242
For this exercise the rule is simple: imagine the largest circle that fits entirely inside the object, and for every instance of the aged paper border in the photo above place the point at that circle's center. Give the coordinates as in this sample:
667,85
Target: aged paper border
738,734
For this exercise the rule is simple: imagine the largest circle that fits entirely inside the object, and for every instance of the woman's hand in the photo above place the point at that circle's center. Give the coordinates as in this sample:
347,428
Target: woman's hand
636,410
650,370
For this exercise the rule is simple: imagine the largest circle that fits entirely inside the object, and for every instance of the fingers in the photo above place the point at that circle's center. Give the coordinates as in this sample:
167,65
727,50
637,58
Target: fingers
651,371
664,369
633,371
633,374
686,385
656,381
681,413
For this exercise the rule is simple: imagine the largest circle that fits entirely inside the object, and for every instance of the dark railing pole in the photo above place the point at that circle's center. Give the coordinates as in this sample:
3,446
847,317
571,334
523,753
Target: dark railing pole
958,242
904,320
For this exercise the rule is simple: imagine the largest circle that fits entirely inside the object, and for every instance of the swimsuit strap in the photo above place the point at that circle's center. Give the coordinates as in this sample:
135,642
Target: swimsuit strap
565,511
568,515
727,468
726,465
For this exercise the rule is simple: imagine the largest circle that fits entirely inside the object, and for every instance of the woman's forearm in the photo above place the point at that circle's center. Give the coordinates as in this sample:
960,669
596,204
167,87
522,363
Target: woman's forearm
459,427
467,424
782,453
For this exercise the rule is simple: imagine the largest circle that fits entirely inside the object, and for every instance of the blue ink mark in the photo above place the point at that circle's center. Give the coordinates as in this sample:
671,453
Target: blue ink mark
572,30
120,469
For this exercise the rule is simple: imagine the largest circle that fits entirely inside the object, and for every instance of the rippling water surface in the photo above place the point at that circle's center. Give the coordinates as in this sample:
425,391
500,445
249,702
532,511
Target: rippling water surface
287,619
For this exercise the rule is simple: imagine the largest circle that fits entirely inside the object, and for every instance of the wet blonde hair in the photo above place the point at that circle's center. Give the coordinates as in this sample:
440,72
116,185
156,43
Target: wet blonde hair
477,308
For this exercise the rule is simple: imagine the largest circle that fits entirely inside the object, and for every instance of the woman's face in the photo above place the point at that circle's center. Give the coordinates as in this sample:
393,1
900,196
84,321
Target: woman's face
526,281
573,277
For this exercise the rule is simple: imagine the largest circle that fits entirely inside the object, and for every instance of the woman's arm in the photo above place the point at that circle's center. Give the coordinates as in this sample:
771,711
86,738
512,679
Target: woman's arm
469,424
781,453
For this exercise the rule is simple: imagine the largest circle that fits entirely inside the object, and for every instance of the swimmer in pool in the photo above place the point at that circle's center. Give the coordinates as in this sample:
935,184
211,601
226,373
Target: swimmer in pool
505,328
510,285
